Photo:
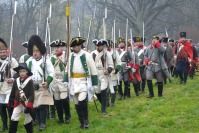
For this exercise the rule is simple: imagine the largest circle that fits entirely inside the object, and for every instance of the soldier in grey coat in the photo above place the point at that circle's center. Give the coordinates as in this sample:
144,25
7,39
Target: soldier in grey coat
126,59
155,63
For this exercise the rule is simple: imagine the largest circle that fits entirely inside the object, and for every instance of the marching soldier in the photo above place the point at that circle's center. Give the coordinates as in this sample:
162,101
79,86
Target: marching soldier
61,97
24,57
104,64
169,59
23,95
43,73
126,59
6,82
114,73
155,63
82,74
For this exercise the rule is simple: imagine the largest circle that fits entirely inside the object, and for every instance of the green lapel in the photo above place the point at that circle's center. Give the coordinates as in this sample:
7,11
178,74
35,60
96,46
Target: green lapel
84,64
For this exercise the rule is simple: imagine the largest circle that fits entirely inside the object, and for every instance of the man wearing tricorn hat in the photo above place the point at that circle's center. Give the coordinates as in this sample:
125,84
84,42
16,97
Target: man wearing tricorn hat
104,64
43,73
6,82
126,60
82,74
61,97
114,73
155,63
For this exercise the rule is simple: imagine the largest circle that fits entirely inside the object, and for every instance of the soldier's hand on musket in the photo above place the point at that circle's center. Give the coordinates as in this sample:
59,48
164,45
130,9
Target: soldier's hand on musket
128,67
10,80
44,85
105,72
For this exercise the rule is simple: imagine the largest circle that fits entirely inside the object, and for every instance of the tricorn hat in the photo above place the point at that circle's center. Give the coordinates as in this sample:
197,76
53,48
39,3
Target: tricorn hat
22,66
3,44
110,43
35,43
156,37
101,42
143,40
165,39
25,44
137,39
171,40
183,34
77,41
58,43
95,41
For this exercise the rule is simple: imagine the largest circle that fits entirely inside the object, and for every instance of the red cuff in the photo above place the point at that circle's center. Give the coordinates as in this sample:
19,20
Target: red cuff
16,103
146,61
130,64
29,105
136,67
157,45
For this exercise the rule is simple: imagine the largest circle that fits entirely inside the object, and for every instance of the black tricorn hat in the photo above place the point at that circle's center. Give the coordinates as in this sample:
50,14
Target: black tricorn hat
137,39
58,43
25,44
171,40
183,34
95,41
36,42
143,40
22,66
165,39
77,41
101,42
3,44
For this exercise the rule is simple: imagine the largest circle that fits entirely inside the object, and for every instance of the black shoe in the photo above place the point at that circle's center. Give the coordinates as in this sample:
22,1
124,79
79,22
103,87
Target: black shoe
104,112
82,125
67,121
52,116
42,126
180,81
60,122
150,96
112,104
86,124
170,81
159,95
107,105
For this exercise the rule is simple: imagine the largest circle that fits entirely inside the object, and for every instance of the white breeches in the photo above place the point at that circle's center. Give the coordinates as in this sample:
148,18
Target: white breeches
17,113
61,91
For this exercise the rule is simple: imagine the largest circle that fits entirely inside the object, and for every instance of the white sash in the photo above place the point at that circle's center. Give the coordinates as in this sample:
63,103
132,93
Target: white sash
21,86
98,57
123,52
140,52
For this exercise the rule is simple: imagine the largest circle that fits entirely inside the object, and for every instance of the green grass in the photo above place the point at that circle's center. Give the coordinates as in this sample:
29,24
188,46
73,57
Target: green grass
176,112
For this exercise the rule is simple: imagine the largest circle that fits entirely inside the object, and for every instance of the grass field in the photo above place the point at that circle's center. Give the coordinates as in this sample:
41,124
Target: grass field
177,111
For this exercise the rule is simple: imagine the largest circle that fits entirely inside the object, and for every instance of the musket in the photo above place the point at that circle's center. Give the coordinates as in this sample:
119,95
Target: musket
67,33
166,32
143,33
11,40
127,23
47,40
114,49
89,28
78,29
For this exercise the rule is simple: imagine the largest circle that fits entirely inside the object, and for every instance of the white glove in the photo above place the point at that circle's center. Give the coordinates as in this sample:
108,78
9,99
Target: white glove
65,84
133,70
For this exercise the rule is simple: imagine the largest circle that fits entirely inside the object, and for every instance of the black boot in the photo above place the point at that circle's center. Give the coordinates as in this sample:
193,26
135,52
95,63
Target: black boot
103,103
13,126
185,78
4,117
99,97
136,86
126,89
181,77
29,127
84,108
150,87
66,107
52,112
59,109
43,116
107,98
80,115
160,89
143,85
113,96
120,90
